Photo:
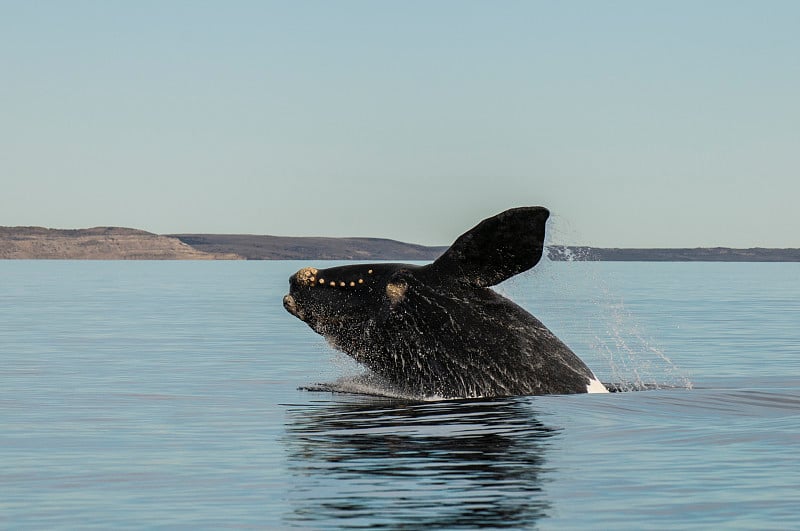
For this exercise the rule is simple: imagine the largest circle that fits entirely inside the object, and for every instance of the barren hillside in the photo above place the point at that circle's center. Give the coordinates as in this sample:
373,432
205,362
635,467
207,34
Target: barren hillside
99,243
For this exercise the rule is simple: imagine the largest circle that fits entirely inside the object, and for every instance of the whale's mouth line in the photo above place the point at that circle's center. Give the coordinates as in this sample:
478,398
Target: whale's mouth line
291,306
319,322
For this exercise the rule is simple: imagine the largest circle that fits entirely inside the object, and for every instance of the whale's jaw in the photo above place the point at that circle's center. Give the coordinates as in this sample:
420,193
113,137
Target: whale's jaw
291,306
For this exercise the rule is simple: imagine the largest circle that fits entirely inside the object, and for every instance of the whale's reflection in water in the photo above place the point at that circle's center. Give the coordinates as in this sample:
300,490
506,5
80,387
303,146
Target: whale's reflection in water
368,462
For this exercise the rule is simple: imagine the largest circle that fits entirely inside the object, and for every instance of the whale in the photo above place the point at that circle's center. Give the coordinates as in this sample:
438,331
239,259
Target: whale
439,331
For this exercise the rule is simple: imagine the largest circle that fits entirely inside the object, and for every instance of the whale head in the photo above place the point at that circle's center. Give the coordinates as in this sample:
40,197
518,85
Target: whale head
437,329
339,302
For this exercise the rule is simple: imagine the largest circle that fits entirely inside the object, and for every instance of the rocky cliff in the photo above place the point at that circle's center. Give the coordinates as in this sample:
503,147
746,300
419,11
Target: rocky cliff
254,247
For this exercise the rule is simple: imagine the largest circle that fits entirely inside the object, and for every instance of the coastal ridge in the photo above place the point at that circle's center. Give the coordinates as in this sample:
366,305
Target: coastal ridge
119,243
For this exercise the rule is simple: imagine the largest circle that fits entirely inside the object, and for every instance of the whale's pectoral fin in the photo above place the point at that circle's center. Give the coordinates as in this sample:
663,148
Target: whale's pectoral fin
495,249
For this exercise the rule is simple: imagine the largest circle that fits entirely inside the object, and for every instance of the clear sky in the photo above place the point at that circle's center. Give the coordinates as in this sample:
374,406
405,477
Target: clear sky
638,123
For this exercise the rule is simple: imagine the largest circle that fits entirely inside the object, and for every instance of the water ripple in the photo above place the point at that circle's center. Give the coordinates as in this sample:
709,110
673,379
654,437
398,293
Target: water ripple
410,465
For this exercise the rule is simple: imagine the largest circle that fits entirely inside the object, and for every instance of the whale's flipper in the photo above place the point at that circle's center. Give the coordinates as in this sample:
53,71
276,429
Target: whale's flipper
495,249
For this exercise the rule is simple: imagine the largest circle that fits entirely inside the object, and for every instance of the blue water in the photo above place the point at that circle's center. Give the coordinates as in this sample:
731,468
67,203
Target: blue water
165,394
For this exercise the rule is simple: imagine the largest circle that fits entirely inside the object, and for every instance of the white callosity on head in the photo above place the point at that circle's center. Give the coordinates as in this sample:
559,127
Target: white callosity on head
306,276
310,276
396,291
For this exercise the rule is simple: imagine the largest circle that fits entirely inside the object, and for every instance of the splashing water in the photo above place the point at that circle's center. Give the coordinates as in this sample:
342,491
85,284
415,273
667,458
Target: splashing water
634,360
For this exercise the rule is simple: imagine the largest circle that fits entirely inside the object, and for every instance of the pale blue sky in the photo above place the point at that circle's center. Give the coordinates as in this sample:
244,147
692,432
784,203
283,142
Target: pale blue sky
639,123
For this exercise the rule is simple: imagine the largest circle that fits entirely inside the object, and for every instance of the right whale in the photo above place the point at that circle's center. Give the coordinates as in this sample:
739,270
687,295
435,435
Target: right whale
439,331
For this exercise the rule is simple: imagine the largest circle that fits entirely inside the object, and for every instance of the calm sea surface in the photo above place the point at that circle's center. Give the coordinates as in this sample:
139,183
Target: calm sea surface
165,394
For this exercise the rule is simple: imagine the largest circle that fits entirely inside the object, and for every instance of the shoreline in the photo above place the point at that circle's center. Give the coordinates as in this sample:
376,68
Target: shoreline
118,243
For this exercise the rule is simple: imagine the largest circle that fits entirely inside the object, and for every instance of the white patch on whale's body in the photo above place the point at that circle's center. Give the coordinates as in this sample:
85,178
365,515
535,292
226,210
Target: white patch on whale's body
595,386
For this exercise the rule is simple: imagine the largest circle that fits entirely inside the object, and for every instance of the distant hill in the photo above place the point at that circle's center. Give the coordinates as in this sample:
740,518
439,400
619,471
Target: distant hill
117,243
701,254
255,247
98,243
